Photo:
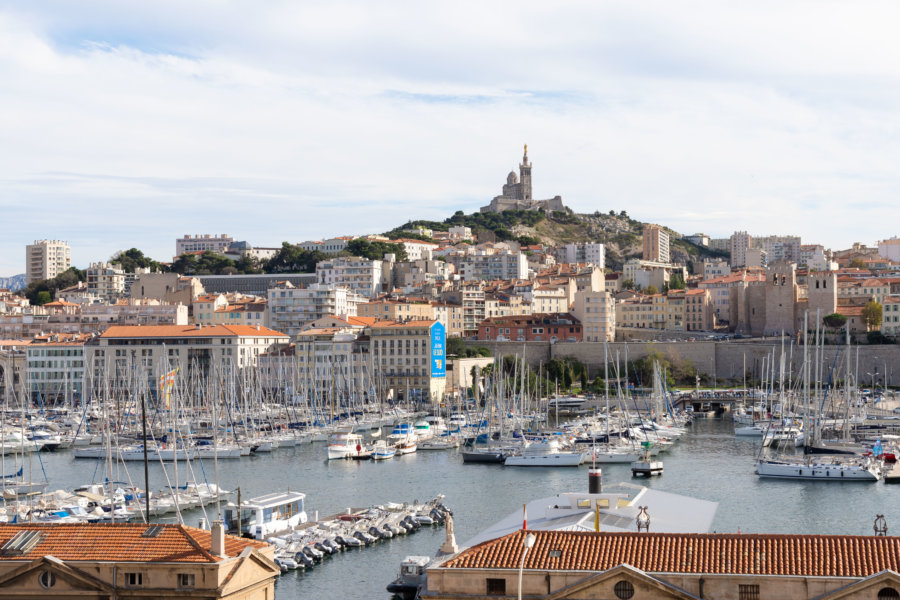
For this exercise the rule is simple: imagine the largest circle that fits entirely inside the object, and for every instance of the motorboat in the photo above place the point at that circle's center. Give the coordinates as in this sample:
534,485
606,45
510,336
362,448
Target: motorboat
267,515
345,444
404,439
817,467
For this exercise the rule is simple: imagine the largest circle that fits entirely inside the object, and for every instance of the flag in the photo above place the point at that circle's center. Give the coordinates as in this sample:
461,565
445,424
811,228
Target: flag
524,516
166,383
596,516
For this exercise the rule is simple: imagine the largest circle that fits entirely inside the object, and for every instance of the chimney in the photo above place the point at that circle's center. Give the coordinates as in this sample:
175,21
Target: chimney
218,538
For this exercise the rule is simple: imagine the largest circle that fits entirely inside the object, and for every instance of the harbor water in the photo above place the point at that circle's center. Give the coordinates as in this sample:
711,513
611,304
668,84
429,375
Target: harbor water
709,462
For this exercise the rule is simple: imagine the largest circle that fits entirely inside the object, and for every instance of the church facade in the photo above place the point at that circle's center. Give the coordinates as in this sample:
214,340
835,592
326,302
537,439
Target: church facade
517,193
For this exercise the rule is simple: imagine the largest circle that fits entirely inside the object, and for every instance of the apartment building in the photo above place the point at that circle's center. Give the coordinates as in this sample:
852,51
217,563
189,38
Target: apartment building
329,246
203,243
409,356
360,275
45,259
54,367
470,297
656,244
588,252
155,350
396,309
597,313
715,268
780,248
531,328
740,242
890,316
106,281
490,267
290,308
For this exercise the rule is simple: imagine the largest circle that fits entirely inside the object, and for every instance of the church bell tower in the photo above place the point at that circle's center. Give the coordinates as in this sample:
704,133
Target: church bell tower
525,177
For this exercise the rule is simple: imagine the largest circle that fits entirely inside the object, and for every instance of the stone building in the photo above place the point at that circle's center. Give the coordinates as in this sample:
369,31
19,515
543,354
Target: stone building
132,560
517,193
562,565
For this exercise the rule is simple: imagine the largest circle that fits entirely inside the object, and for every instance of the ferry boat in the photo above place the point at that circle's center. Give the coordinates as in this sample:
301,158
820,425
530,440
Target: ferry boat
267,515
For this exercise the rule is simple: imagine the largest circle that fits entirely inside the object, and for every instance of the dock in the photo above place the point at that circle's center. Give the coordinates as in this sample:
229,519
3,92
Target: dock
892,473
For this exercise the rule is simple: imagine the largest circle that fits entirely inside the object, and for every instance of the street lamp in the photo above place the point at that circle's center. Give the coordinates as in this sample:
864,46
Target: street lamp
528,542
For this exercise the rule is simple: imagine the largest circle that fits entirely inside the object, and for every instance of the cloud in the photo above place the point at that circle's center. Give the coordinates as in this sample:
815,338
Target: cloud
130,125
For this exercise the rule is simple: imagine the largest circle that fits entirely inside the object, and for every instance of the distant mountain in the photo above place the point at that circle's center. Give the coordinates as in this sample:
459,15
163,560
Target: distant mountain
16,282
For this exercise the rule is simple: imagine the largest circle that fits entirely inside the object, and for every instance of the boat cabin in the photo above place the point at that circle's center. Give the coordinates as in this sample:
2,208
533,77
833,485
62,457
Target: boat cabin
267,515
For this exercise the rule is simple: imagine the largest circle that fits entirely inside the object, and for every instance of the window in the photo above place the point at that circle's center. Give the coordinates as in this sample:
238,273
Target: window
748,592
496,587
48,580
134,579
886,593
186,580
623,590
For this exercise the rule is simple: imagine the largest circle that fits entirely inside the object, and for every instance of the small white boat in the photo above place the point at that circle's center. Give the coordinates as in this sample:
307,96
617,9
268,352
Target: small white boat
381,451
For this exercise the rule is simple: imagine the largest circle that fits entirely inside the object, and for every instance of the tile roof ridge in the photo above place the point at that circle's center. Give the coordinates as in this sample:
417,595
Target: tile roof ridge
187,534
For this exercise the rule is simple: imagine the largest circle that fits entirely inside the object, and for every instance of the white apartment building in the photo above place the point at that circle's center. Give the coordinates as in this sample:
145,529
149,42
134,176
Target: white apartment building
597,313
417,249
105,280
291,309
360,275
645,273
582,253
155,351
460,233
890,249
329,246
890,316
54,367
203,243
45,259
492,267
780,248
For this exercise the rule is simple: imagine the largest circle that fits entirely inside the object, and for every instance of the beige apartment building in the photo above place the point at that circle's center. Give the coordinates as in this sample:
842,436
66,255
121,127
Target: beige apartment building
409,356
655,244
597,313
125,561
45,259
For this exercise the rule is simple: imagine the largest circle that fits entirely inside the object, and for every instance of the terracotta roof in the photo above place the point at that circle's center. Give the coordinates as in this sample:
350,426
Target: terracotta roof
417,323
742,554
143,331
123,542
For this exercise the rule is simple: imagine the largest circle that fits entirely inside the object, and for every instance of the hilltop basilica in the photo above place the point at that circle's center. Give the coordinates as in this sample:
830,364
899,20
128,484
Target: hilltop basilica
517,193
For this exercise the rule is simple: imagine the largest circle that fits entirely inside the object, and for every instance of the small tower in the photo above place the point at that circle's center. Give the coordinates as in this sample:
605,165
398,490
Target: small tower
525,177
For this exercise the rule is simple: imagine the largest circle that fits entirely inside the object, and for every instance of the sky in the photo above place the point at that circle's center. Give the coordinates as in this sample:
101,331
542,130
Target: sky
129,124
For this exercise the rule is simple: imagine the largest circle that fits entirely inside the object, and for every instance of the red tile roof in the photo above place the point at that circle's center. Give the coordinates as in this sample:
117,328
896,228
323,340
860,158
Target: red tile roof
168,331
742,554
123,542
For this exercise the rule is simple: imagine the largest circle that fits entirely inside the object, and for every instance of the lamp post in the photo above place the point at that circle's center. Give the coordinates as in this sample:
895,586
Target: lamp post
528,542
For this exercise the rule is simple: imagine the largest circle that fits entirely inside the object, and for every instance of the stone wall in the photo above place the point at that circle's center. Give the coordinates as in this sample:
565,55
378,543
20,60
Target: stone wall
725,360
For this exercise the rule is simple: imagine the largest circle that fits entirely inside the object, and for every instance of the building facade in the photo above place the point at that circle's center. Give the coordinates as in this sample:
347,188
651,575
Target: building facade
203,243
655,244
45,259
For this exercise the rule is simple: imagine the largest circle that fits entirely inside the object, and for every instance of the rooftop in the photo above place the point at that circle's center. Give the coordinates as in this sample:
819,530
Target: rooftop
743,554
169,331
122,542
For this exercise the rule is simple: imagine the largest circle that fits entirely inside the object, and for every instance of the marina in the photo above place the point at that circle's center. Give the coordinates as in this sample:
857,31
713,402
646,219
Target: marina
709,463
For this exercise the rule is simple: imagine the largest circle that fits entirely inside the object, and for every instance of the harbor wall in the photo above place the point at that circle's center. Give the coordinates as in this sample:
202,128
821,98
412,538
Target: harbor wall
724,360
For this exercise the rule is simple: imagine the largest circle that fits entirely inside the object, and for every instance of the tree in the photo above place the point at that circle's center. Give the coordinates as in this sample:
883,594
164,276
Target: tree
857,263
375,250
293,259
651,290
67,278
676,282
872,315
132,259
628,284
43,297
834,320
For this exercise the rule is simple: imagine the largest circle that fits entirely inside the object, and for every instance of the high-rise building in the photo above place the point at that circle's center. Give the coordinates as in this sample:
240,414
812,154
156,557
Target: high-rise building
740,243
656,244
45,259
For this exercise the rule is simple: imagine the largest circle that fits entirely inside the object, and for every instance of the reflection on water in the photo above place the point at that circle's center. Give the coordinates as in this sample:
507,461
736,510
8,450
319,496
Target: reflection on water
709,462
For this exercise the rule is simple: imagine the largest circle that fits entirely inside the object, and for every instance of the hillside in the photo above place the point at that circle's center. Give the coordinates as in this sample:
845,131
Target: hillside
14,283
617,231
